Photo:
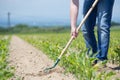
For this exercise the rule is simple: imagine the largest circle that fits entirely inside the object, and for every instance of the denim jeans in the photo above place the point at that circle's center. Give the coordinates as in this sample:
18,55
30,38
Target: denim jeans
101,14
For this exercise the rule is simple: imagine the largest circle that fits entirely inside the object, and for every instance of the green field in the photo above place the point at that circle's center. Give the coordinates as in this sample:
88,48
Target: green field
52,42
75,60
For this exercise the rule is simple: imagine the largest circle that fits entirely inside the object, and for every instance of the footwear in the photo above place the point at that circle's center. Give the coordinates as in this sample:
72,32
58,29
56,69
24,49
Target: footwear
99,63
94,62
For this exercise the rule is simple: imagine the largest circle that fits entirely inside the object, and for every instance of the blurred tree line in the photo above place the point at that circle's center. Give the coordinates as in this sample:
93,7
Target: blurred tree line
23,28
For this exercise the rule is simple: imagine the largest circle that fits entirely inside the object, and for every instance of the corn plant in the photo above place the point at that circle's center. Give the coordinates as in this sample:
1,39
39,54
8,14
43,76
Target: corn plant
114,50
117,51
6,72
76,62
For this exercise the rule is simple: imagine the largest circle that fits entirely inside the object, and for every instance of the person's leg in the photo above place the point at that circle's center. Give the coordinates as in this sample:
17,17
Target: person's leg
104,22
88,28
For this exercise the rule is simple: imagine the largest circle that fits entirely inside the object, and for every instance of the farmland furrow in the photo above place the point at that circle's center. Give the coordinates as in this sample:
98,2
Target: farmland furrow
30,62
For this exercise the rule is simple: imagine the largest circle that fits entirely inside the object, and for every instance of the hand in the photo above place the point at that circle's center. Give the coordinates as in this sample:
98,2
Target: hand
74,32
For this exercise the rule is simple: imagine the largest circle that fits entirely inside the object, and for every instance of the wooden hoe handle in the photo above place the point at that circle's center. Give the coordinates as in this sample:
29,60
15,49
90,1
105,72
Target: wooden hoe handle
82,22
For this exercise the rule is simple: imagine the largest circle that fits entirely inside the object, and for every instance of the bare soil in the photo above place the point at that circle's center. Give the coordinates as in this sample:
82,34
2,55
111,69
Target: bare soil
29,63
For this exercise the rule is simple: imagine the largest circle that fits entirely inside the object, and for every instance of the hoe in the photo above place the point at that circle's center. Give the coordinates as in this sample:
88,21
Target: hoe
72,38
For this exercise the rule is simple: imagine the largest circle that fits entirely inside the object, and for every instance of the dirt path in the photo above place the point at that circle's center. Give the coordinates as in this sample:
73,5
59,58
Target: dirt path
29,62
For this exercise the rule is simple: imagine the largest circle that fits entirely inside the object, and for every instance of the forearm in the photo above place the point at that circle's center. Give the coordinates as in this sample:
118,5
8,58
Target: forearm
74,8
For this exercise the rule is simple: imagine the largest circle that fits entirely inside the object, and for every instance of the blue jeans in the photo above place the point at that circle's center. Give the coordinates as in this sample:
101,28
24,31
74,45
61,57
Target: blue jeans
102,13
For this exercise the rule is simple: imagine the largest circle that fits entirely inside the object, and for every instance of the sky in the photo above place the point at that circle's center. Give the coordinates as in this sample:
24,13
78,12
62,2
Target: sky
43,12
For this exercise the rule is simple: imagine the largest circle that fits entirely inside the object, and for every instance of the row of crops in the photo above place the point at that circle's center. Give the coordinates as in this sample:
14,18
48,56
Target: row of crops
6,71
75,60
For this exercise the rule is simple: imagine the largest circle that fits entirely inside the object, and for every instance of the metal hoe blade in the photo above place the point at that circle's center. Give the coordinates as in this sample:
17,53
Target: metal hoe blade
47,69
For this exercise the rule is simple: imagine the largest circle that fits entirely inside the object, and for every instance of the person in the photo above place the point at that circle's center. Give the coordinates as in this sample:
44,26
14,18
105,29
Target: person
102,14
